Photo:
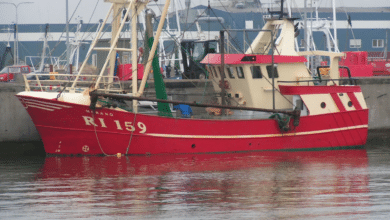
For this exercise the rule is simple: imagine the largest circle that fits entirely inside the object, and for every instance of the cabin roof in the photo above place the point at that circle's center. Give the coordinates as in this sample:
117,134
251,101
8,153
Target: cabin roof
237,59
310,90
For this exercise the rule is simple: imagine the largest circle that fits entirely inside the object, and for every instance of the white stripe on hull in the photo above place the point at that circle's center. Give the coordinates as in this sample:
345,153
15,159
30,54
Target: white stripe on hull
47,103
47,106
29,103
254,136
40,107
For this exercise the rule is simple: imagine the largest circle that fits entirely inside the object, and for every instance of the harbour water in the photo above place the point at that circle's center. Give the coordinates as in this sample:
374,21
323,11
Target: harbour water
337,184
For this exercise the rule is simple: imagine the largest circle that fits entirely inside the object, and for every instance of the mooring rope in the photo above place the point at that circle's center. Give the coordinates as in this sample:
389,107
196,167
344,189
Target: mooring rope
131,135
97,138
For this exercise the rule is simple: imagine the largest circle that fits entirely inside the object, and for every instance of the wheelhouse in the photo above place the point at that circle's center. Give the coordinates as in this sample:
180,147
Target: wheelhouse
247,79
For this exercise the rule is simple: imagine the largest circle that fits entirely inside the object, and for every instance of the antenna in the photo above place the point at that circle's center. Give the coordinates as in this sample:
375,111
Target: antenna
280,13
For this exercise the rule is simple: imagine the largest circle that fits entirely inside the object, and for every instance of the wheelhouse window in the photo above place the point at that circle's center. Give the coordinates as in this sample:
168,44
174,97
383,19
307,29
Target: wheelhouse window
25,69
199,51
378,43
15,70
269,70
355,43
220,71
240,72
209,70
230,72
5,70
214,70
256,72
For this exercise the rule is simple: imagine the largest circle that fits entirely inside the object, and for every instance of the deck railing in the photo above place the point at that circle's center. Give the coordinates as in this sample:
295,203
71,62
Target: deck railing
59,82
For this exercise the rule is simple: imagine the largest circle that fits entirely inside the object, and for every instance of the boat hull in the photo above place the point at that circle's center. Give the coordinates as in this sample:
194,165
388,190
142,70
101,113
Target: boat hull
69,129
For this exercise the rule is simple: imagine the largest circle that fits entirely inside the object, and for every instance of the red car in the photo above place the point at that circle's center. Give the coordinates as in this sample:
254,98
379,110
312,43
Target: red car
7,74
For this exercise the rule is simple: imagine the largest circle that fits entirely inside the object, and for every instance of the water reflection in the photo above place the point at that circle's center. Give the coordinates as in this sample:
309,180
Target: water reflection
250,185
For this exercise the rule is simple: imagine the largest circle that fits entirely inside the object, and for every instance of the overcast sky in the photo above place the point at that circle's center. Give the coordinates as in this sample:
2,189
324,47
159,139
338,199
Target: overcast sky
53,11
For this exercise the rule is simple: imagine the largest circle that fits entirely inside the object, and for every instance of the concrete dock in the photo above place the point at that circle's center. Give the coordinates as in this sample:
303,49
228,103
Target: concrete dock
17,126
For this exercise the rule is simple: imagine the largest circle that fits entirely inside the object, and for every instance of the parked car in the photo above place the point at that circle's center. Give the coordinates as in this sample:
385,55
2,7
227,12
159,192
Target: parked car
8,73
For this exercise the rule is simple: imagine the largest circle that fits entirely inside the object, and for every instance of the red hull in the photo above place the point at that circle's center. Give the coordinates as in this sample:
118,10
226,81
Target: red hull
67,128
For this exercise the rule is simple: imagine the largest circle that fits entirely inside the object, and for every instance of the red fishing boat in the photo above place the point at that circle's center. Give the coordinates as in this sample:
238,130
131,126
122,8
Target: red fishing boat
269,101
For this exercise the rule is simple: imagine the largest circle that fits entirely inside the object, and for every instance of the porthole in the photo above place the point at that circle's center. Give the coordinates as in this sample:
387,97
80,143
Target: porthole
350,104
323,105
193,146
341,94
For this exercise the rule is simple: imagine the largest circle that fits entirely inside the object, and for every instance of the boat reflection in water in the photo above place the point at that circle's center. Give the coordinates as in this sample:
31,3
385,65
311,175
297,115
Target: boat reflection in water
261,184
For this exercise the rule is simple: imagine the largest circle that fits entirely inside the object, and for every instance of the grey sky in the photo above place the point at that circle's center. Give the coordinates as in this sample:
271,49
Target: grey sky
53,11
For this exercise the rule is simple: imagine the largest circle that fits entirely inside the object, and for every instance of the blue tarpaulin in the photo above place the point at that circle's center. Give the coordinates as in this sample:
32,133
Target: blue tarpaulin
185,110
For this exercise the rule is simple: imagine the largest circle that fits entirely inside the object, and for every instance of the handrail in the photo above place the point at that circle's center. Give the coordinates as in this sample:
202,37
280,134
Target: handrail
45,83
353,81
340,67
94,97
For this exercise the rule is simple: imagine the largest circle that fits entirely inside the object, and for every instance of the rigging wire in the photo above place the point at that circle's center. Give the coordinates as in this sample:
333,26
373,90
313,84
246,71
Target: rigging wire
243,52
353,35
64,30
90,18
229,13
175,40
95,79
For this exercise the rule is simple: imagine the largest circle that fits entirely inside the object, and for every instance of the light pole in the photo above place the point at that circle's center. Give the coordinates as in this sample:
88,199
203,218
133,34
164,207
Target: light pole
16,49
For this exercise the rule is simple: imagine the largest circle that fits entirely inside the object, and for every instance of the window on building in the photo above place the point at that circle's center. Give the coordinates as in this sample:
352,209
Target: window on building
256,72
230,72
269,70
378,43
94,59
355,43
240,72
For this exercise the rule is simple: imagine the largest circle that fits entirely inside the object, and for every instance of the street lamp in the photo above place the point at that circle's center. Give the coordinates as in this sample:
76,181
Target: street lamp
16,50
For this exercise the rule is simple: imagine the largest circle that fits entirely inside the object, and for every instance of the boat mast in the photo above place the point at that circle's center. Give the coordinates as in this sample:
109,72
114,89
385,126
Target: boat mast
153,49
43,56
16,44
306,36
159,85
92,47
336,48
67,39
134,57
223,91
7,51
386,43
117,6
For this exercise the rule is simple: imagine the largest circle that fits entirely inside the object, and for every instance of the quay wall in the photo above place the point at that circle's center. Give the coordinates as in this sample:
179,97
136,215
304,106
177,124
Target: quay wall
376,92
15,123
17,126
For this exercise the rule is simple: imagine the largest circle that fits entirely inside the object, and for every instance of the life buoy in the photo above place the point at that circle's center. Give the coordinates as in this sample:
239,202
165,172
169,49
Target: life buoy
324,71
